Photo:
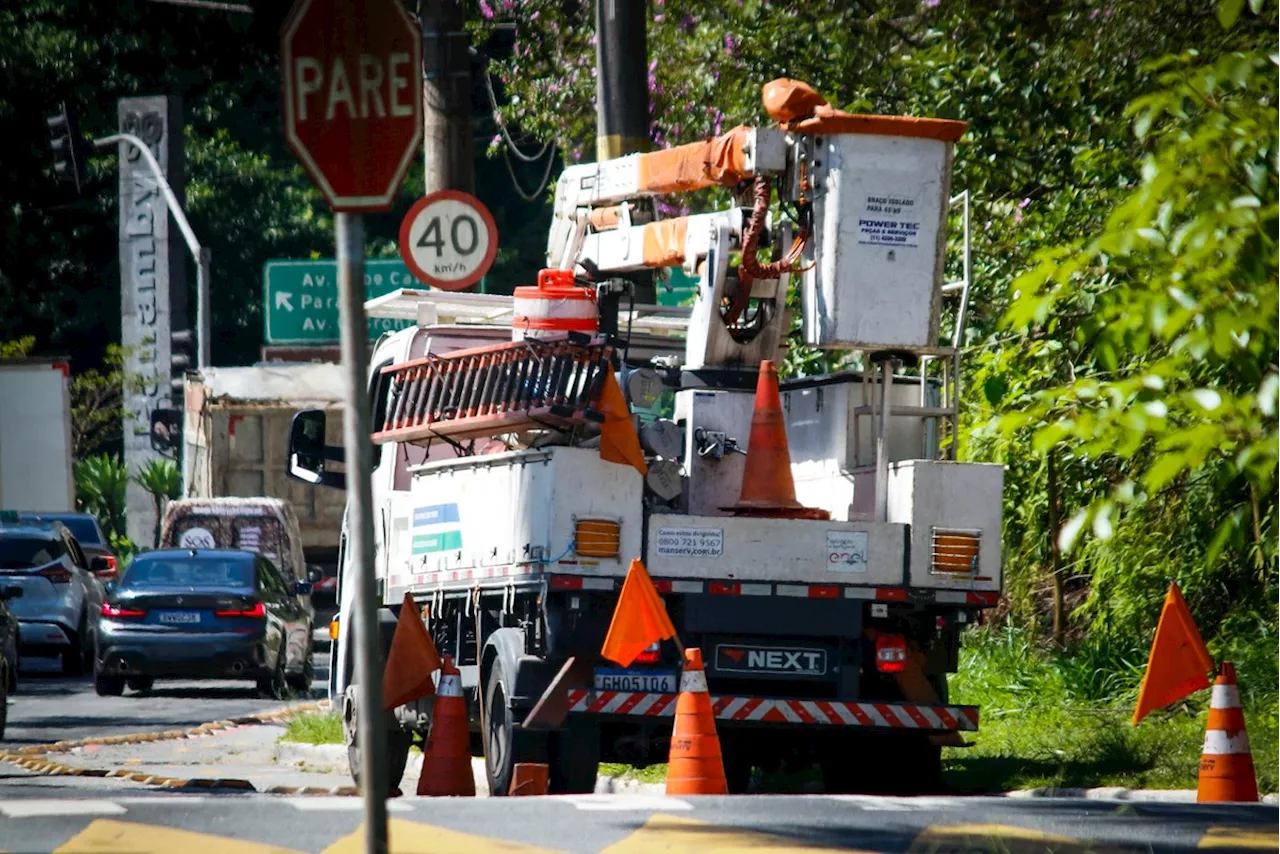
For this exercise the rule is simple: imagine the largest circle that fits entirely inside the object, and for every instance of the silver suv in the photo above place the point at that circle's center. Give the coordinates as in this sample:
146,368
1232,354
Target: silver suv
61,599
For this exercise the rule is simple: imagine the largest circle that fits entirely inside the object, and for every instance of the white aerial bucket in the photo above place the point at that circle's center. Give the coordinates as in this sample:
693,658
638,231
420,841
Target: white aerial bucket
880,202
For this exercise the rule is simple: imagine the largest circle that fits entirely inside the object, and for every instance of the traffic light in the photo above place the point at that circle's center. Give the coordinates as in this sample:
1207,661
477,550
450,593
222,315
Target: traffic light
68,149
181,349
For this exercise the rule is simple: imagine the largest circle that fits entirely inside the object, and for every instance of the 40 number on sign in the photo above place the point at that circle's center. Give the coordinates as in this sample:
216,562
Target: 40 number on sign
449,240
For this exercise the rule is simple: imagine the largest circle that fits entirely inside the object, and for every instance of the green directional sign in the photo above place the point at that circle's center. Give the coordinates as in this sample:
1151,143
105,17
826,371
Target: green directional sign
301,298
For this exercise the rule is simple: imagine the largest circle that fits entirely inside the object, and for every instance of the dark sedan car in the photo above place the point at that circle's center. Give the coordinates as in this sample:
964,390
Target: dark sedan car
204,613
88,533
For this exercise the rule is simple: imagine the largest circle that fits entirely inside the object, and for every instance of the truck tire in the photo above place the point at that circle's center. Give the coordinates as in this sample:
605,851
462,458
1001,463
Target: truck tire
575,759
398,743
505,744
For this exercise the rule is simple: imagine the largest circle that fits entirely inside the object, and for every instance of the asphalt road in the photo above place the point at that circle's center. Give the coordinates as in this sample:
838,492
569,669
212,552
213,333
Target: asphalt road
630,825
50,707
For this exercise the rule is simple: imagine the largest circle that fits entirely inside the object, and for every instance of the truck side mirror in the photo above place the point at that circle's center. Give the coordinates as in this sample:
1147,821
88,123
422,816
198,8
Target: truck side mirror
308,452
166,430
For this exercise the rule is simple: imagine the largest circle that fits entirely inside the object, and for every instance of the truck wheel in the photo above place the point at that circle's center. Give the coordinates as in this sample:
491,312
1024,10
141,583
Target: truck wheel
576,757
398,743
505,744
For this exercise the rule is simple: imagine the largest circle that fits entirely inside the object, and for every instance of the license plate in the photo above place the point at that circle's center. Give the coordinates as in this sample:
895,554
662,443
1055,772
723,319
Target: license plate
663,682
179,616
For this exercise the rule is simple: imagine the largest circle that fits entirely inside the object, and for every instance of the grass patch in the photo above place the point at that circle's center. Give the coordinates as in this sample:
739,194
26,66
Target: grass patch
1070,748
314,728
650,774
1063,719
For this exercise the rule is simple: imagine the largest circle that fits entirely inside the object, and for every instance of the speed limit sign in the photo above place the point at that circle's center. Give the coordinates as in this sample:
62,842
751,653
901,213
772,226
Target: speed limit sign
448,239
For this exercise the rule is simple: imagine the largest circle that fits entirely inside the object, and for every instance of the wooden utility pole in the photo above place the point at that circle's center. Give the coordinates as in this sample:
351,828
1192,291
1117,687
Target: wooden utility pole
446,96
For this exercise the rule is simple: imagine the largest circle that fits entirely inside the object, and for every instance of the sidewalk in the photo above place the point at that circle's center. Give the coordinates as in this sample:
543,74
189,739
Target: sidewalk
251,753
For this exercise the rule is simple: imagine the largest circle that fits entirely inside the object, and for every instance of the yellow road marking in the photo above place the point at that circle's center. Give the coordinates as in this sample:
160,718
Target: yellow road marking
106,836
997,839
1240,837
667,834
410,837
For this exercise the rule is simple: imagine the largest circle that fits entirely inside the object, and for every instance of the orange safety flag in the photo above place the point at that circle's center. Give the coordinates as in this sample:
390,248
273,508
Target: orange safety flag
619,442
639,621
1179,661
411,661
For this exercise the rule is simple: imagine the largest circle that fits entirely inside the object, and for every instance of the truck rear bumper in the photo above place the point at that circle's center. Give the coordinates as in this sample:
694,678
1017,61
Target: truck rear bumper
767,710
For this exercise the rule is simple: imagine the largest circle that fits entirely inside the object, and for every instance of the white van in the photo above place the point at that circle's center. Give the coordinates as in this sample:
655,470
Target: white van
264,525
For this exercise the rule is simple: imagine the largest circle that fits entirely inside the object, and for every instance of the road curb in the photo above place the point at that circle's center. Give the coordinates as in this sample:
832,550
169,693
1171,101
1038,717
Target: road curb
1118,793
35,757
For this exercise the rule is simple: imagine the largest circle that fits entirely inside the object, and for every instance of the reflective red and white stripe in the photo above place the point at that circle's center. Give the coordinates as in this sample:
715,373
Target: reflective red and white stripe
767,710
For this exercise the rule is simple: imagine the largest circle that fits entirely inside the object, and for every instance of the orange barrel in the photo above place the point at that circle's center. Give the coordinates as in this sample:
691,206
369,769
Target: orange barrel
555,305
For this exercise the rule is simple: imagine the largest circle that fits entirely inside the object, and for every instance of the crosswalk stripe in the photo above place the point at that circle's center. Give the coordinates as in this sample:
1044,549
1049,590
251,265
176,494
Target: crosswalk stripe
1267,839
36,807
999,839
305,803
107,836
621,803
411,837
675,835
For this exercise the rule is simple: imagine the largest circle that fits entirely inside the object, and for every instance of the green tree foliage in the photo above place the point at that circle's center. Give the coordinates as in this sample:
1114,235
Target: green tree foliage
163,482
101,484
1121,345
246,197
1170,344
97,405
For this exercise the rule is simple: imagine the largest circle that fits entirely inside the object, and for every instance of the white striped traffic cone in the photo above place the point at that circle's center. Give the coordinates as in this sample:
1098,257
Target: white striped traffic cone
1226,765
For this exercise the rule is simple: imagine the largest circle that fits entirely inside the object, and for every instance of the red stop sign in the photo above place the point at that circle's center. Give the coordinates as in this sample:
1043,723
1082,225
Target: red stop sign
352,74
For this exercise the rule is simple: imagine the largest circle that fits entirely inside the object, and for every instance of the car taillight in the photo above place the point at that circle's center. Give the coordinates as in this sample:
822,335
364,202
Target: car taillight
891,653
110,609
649,656
111,562
258,610
56,574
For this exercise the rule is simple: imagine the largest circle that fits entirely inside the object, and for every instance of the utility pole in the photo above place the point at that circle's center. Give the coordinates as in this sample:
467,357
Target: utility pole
622,78
446,98
622,114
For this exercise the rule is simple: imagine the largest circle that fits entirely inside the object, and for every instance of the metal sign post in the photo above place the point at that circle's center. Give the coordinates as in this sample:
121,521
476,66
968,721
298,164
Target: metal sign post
356,428
357,150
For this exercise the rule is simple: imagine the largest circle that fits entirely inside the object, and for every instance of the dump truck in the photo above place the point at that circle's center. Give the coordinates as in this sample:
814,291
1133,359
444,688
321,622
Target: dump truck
827,592
35,436
234,433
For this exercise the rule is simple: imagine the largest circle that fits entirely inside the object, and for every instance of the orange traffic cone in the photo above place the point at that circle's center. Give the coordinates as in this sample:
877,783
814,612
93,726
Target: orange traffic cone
446,758
695,766
1226,765
530,778
767,486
